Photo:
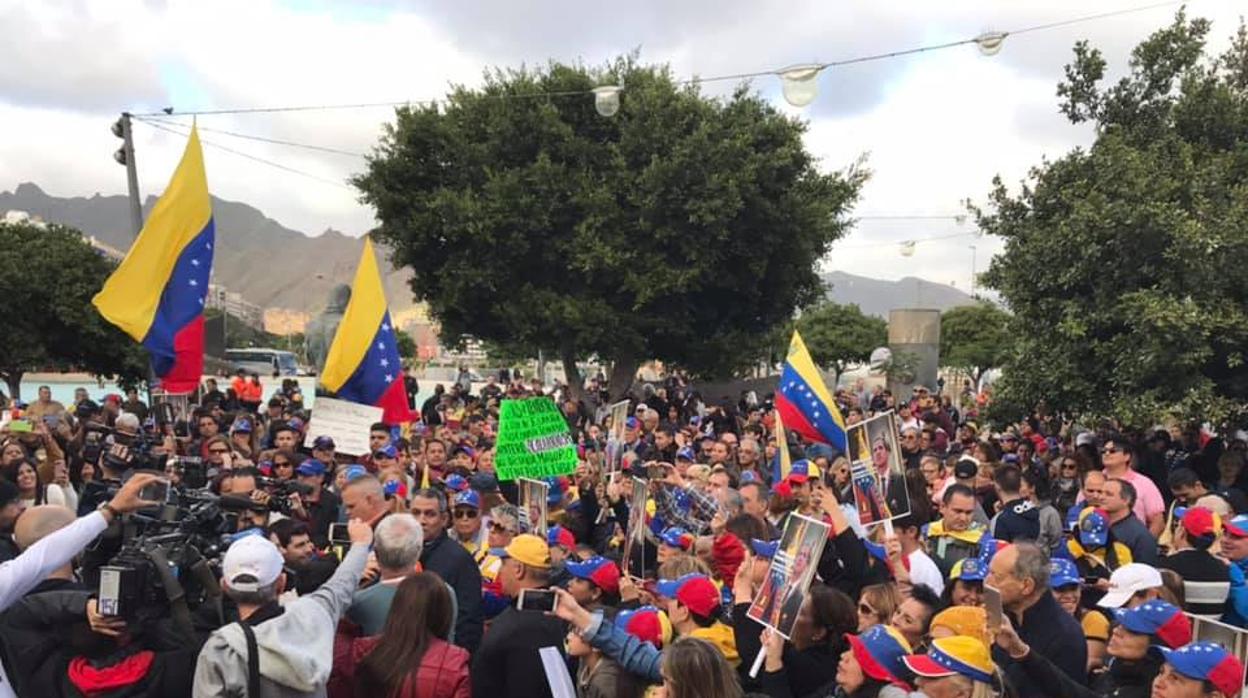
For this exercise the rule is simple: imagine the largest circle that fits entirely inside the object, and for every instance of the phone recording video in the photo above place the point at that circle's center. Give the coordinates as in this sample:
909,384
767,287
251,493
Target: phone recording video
537,600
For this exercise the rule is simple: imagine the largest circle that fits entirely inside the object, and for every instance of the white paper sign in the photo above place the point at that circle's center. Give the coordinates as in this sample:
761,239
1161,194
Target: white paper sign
557,676
347,423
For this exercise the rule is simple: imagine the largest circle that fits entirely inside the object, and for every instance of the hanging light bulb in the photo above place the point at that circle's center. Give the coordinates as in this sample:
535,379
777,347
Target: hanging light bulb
800,83
907,248
607,100
990,43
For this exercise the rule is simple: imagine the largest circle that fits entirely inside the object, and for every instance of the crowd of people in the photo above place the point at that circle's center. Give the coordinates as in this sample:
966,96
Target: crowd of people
1040,558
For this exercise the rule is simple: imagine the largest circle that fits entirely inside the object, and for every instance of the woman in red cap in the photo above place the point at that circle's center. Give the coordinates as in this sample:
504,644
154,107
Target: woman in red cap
872,667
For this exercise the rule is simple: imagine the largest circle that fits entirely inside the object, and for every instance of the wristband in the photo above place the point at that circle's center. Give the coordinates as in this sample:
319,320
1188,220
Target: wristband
111,510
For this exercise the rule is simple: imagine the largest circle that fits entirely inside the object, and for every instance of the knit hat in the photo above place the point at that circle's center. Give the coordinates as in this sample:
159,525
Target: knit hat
879,651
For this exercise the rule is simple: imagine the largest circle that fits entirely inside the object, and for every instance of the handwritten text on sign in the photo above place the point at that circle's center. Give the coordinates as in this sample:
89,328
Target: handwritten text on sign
533,440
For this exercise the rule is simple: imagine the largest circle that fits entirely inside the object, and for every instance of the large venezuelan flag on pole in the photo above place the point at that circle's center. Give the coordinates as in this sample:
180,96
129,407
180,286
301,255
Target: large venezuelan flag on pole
363,362
157,294
803,401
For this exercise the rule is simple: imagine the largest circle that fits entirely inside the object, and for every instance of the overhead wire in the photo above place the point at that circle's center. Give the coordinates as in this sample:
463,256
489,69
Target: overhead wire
262,139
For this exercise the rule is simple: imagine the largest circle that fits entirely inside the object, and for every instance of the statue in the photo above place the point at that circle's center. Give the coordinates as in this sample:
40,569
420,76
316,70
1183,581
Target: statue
320,333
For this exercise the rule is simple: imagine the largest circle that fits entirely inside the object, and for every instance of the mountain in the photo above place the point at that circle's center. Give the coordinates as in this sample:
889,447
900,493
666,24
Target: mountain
268,263
877,297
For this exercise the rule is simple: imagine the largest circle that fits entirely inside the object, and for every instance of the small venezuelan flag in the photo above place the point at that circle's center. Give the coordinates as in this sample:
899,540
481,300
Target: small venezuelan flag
363,362
157,294
803,401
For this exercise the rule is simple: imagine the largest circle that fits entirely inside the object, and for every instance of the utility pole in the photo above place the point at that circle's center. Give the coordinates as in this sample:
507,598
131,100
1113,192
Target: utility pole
125,156
973,252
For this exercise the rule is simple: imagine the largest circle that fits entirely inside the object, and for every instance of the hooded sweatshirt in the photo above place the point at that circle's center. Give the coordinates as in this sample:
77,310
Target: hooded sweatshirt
296,648
1019,520
721,636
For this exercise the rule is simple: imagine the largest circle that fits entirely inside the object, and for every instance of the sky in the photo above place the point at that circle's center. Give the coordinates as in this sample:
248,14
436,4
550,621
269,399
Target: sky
934,128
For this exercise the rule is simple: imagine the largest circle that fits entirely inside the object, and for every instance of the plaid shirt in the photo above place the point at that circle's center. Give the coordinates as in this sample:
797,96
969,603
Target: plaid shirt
685,507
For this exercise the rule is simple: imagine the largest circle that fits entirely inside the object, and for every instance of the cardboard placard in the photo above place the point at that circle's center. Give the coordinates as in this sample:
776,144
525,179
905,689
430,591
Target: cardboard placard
615,435
533,440
877,471
788,579
533,506
635,530
347,423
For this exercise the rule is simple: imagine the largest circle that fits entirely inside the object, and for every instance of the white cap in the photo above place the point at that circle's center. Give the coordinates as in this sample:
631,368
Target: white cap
254,556
1085,438
1127,580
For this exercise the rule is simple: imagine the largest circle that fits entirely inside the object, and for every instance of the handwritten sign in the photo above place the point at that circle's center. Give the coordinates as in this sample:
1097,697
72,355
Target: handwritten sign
533,440
347,423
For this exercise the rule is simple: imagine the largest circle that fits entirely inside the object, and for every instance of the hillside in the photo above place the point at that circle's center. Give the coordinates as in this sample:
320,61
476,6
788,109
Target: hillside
877,297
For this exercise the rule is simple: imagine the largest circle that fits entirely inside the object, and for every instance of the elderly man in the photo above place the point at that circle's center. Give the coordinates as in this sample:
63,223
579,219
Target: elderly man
398,543
1021,573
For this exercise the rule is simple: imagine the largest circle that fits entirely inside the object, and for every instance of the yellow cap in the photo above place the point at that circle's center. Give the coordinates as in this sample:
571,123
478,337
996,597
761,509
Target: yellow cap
529,549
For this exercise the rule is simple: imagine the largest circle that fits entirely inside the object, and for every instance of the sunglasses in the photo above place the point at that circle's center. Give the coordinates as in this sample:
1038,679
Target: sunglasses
218,450
466,513
1106,451
499,528
865,609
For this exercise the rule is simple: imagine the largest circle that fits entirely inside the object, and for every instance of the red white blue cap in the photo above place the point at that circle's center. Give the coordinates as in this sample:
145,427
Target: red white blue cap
1237,526
456,482
558,535
799,471
1208,661
677,537
599,570
647,624
880,651
1159,619
696,591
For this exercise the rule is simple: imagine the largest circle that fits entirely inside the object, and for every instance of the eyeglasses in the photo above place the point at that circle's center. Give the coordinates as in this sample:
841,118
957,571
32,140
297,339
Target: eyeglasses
282,464
499,528
466,513
1107,451
218,450
866,610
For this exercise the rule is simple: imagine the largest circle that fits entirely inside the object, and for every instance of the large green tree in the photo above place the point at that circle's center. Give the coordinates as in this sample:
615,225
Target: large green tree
974,338
48,276
1124,262
839,335
682,228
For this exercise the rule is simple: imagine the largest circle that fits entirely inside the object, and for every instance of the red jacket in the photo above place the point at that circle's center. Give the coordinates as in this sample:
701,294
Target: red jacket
443,671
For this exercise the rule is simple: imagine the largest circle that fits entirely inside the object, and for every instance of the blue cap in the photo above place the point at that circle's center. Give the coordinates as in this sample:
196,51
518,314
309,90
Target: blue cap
1093,529
484,483
355,471
456,482
632,423
676,537
1009,459
764,548
241,426
1063,572
970,569
1072,515
387,451
799,471
686,453
323,443
311,467
1208,661
749,476
1237,525
467,498
1157,618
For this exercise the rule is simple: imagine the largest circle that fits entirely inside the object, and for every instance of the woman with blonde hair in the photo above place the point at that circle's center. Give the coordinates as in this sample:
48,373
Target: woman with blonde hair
876,604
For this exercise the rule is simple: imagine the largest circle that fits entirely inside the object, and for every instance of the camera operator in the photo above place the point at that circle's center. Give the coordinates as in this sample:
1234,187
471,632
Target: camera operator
297,639
320,506
243,484
55,549
121,451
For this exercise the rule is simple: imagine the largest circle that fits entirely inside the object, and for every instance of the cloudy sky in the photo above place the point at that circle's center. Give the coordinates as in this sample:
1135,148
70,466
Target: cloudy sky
935,127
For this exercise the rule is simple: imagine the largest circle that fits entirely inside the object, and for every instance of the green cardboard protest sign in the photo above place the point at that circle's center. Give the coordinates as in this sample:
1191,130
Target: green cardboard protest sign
533,440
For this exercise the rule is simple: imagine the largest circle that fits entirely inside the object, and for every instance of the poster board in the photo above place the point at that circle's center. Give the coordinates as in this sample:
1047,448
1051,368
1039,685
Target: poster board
635,531
877,472
783,592
347,423
533,440
615,435
533,506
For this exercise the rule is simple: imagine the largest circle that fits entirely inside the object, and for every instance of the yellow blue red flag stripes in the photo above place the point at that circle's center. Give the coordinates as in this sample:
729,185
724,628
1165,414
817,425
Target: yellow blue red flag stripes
363,362
157,294
783,462
803,401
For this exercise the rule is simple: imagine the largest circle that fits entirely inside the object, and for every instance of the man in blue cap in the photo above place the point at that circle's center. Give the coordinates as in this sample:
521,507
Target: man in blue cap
320,505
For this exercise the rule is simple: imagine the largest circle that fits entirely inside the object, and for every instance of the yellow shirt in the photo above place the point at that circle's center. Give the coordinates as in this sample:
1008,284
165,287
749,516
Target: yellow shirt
1095,625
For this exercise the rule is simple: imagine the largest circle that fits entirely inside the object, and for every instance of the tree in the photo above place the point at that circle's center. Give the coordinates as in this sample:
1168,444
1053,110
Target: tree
1123,263
683,228
839,335
407,345
48,275
974,338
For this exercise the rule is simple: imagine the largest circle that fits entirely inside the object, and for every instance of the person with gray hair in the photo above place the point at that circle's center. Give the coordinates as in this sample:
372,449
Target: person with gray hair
1020,572
398,542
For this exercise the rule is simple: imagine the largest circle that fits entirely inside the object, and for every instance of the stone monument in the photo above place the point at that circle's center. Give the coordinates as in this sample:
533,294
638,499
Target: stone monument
320,332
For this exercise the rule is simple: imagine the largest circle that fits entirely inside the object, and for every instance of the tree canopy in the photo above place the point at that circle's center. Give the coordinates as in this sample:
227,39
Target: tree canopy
48,276
683,228
974,338
839,335
1123,262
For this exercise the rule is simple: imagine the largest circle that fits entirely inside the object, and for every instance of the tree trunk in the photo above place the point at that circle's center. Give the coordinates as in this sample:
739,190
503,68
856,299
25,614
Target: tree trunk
623,373
14,381
576,382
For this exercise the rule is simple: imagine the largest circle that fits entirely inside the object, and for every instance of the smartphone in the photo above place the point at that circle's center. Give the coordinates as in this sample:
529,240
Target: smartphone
338,534
537,600
992,605
157,491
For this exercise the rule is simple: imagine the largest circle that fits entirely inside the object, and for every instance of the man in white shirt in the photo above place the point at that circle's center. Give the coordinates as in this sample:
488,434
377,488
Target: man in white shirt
921,567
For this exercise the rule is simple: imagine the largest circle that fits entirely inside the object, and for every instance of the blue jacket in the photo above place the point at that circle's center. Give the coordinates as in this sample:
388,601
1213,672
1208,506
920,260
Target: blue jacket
1237,602
636,656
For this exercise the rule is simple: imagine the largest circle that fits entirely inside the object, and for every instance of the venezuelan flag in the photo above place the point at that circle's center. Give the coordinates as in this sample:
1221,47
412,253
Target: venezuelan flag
803,401
783,462
363,362
157,294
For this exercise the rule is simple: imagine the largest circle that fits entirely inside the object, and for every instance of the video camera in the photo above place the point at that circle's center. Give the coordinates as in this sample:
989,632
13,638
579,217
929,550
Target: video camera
120,452
280,492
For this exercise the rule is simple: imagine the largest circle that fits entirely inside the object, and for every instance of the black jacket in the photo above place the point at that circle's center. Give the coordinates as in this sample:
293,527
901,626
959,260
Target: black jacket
1019,520
1122,679
508,664
457,568
1053,634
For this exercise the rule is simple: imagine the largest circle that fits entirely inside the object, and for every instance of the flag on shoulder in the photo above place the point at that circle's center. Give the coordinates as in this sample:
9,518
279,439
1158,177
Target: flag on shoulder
157,293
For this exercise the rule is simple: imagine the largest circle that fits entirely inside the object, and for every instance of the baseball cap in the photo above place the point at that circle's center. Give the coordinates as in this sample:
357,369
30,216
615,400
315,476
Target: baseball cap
250,563
676,537
966,468
950,656
323,443
529,549
354,471
696,591
632,423
799,471
456,482
311,467
686,453
485,483
964,620
387,451
646,623
879,650
467,498
969,569
1200,522
1127,580
1208,661
1237,526
598,570
1009,436
1086,438
241,426
1157,618
1063,572
1093,528
558,535
764,548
